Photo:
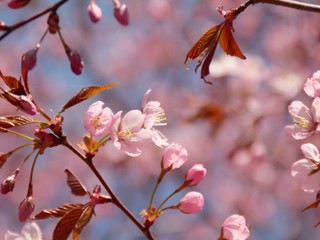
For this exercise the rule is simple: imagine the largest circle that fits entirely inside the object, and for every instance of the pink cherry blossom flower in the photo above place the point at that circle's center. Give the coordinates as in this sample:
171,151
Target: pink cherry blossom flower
195,175
305,121
192,202
99,120
128,133
155,116
30,231
301,169
121,12
234,228
94,11
26,208
174,156
312,85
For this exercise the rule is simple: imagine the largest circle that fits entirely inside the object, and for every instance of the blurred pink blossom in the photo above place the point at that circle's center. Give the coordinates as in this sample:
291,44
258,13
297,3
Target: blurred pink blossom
98,120
121,12
15,4
94,11
305,121
128,133
174,156
155,116
195,174
234,228
26,208
303,167
312,85
192,202
30,231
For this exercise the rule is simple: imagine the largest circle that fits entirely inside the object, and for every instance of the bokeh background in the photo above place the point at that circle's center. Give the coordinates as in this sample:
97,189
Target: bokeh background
234,127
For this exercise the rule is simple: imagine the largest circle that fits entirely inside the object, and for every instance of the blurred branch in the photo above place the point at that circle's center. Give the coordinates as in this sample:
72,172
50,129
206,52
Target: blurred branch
284,3
10,29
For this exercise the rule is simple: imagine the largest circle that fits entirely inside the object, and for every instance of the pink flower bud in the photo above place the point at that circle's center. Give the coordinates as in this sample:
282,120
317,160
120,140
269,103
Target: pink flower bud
15,4
234,228
8,184
192,202
195,174
26,208
121,13
22,102
29,59
174,156
76,62
94,11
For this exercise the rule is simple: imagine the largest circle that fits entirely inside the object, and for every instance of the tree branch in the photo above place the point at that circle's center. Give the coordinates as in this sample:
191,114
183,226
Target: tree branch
285,3
10,29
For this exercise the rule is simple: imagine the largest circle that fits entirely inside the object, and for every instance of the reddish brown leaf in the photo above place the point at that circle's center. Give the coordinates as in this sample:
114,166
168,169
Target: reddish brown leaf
24,74
14,84
208,39
12,121
66,224
86,93
76,186
312,205
57,212
228,43
83,221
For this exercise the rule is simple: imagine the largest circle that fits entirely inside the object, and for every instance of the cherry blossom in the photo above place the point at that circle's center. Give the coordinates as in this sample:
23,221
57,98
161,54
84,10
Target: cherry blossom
174,156
234,228
305,120
312,85
128,133
302,168
30,231
99,120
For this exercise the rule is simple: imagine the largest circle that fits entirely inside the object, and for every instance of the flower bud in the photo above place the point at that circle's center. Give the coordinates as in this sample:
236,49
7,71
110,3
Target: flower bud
29,59
26,208
76,62
195,175
174,156
22,102
121,13
8,184
15,4
234,228
94,11
192,202
53,22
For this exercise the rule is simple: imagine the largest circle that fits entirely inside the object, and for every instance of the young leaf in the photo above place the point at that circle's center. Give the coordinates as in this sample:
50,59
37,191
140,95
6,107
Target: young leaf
86,93
66,224
228,43
76,186
12,121
82,222
312,205
57,212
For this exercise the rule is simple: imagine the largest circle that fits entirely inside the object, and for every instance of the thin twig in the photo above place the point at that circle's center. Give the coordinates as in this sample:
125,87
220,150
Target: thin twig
285,3
14,27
